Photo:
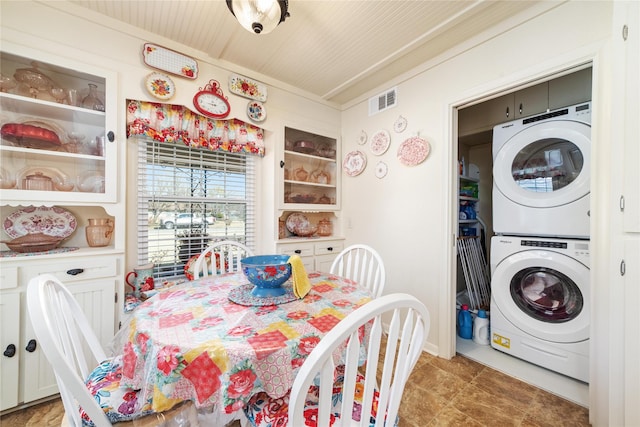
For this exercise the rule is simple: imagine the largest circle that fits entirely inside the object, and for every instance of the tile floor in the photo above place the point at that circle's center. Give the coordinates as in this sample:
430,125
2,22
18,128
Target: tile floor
439,393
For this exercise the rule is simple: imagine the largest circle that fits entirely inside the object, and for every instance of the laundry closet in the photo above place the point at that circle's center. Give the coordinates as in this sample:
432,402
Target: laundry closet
523,235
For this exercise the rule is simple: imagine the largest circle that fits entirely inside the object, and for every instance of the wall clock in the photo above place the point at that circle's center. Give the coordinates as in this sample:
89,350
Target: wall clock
211,102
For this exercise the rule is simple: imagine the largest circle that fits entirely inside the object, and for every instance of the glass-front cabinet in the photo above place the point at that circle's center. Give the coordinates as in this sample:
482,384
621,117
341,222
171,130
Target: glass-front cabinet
310,175
59,183
57,141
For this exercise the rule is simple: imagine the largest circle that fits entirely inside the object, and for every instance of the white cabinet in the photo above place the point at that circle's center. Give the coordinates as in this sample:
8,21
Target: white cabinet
57,151
10,342
316,254
309,176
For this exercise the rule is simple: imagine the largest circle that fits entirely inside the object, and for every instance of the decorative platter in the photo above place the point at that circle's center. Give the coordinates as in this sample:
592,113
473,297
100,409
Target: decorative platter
242,295
31,135
413,151
363,138
52,221
256,111
400,124
164,59
381,170
354,163
297,221
380,142
247,87
160,86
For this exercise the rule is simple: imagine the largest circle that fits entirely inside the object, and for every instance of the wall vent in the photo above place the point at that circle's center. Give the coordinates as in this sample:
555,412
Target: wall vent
383,101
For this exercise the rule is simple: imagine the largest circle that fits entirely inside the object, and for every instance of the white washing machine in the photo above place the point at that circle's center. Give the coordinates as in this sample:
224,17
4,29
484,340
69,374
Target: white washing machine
540,302
541,174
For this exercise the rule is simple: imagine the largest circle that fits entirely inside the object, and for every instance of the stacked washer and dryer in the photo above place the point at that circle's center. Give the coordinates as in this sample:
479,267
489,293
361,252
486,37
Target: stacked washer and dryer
540,289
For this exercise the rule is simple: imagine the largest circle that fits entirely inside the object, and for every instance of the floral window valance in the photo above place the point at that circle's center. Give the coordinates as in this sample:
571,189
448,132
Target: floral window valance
176,123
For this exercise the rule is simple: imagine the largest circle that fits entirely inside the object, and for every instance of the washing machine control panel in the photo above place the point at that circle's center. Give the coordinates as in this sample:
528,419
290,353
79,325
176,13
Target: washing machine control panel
576,249
543,244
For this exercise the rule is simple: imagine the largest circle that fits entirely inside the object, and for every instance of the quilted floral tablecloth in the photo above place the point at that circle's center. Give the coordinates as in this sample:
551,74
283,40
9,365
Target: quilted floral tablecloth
190,342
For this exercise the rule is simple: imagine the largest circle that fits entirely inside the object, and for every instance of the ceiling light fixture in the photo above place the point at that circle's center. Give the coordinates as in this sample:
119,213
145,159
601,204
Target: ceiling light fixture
259,16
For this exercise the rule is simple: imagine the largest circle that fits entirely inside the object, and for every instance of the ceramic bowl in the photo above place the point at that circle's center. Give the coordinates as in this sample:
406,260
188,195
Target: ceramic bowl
267,273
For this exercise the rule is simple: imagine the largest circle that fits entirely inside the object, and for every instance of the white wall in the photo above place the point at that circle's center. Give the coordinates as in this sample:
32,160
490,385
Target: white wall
412,209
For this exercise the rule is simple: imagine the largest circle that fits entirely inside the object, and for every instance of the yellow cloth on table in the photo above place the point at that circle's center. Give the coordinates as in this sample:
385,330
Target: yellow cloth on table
301,283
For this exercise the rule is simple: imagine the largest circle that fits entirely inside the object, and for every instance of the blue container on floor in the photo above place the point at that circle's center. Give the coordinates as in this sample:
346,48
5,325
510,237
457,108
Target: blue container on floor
465,323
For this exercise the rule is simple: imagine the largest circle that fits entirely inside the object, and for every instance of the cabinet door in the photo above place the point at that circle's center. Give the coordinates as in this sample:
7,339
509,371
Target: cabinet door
531,100
10,345
97,302
326,252
55,150
571,89
484,116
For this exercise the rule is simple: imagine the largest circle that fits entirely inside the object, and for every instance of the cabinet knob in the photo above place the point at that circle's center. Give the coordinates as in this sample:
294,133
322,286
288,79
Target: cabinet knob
75,271
281,163
521,108
298,251
111,136
507,112
10,351
330,249
31,346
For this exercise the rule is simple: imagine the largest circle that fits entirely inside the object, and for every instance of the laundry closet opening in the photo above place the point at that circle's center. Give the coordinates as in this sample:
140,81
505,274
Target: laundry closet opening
541,174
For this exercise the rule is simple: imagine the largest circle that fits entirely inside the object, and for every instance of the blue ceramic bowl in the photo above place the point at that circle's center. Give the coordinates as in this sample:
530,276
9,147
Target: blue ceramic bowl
267,273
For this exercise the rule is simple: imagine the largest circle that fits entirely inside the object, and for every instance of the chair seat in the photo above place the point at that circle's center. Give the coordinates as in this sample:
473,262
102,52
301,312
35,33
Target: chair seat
265,411
118,403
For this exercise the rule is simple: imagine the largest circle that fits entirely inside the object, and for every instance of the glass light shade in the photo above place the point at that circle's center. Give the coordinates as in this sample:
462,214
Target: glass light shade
257,16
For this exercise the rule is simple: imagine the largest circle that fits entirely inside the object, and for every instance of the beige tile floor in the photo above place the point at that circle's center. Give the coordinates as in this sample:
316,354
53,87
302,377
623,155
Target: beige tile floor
439,393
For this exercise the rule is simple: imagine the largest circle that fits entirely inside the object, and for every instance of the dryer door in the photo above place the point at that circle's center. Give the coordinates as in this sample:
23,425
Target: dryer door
545,294
545,165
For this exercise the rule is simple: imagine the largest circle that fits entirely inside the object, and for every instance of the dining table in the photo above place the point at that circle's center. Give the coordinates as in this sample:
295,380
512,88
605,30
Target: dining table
212,342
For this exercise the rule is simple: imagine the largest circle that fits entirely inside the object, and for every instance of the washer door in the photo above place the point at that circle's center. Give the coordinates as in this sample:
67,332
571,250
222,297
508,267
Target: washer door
545,294
545,165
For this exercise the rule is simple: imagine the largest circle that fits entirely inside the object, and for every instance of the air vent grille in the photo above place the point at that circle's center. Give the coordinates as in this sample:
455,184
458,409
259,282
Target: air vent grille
383,101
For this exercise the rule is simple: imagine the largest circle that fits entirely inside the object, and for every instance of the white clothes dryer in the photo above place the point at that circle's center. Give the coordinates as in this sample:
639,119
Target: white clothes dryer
540,302
541,174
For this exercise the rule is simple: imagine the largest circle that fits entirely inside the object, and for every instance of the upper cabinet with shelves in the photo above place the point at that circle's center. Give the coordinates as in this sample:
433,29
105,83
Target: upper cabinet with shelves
309,177
560,92
57,143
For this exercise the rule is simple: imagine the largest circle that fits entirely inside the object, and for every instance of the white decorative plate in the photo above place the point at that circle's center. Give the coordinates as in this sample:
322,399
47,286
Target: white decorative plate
52,221
169,60
400,124
380,142
249,88
297,221
256,111
160,86
413,151
381,169
363,138
354,163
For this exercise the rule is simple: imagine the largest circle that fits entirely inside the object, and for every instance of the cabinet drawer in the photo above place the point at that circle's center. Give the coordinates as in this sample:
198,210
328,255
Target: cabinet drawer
76,270
8,277
302,250
328,248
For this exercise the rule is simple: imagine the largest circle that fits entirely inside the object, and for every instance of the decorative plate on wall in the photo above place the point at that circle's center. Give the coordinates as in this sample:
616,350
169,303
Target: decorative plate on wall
413,151
363,138
380,142
354,163
381,170
248,88
256,111
160,86
168,60
400,124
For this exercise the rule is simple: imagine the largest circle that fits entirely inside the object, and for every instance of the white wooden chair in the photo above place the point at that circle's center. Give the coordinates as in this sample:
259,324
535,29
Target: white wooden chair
65,336
323,390
220,257
362,264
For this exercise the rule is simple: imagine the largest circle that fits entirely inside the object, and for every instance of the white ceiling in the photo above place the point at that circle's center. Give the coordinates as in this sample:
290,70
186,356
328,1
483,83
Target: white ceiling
338,50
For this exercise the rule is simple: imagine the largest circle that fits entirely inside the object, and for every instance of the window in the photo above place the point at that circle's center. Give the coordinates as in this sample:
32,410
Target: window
189,198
